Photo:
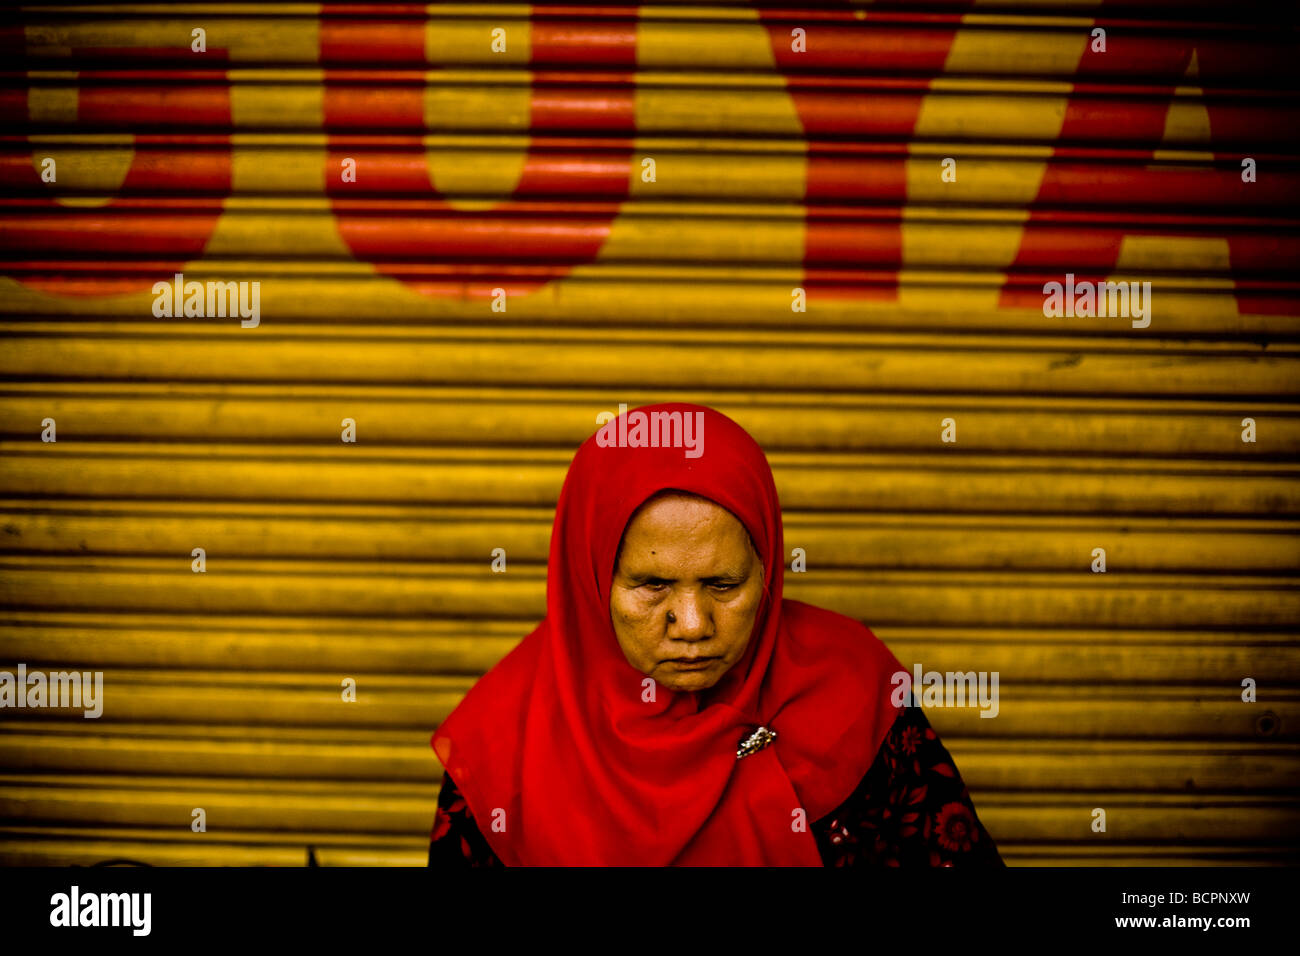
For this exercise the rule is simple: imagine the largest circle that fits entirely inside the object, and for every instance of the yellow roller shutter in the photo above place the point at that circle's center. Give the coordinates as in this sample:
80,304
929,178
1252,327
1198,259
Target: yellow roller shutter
458,232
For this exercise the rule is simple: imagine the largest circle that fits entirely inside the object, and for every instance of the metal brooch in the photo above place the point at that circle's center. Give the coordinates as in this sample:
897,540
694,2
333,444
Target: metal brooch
755,742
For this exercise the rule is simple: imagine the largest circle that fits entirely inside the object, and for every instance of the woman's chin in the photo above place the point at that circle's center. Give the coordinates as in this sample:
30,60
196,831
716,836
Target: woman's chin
690,680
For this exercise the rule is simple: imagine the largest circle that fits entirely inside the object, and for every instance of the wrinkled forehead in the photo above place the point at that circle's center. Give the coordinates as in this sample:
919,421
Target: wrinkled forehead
677,494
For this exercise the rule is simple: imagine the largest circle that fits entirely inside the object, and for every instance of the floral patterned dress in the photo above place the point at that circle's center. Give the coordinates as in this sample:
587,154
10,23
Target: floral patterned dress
911,809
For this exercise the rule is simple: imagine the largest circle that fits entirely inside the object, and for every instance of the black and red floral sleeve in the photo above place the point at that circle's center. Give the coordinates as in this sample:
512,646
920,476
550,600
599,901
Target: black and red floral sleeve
911,809
456,841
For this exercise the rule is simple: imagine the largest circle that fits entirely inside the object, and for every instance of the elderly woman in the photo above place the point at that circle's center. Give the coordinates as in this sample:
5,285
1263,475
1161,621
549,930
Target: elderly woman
673,707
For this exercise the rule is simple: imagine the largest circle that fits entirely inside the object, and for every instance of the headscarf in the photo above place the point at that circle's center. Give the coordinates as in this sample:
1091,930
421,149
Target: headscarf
559,752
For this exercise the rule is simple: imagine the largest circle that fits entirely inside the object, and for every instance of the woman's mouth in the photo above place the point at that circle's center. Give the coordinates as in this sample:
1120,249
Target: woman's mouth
692,663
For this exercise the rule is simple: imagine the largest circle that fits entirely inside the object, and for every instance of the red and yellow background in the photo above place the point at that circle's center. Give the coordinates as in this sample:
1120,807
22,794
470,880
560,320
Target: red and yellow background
522,171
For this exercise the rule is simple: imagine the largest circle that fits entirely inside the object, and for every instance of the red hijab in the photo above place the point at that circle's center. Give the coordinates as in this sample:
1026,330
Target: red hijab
563,761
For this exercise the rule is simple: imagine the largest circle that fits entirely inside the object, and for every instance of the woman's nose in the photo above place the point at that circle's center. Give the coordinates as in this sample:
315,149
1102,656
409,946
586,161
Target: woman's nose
688,617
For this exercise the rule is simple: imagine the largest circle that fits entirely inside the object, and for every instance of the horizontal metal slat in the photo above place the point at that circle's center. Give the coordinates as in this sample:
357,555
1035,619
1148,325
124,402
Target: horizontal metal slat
956,109
832,541
1010,599
63,846
405,809
985,426
1244,373
993,179
986,764
613,298
416,232
891,43
889,484
460,647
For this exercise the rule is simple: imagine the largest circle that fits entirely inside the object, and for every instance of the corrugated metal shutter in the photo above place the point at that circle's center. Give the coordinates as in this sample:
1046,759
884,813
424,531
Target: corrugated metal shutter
523,171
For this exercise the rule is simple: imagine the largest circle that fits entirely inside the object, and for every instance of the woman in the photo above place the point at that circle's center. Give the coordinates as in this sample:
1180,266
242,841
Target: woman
673,707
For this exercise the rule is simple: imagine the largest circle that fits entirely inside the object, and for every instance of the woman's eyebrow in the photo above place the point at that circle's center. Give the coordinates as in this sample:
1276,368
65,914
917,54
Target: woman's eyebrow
644,577
729,575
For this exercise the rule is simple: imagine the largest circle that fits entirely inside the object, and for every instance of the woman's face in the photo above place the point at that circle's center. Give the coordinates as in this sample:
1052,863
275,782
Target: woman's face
686,590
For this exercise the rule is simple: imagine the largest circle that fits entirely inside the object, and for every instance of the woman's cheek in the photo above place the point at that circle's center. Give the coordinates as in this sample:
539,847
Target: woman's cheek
627,613
745,607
